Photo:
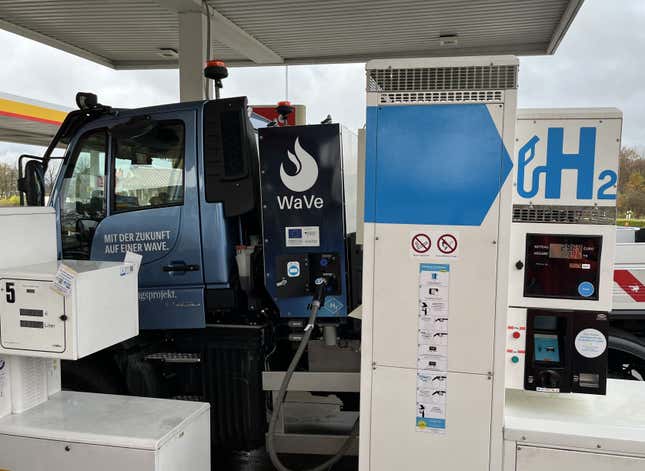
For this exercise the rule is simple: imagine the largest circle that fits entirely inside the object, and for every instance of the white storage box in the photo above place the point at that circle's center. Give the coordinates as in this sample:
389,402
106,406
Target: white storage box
576,432
27,236
100,310
99,432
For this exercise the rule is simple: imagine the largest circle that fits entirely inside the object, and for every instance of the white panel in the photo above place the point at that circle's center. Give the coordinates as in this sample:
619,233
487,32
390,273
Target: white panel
189,449
509,455
518,253
396,445
515,348
471,322
28,236
472,296
539,459
113,318
367,354
34,304
28,383
607,146
20,453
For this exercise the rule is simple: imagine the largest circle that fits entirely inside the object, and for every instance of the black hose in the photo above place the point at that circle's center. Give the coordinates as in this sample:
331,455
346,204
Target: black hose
315,306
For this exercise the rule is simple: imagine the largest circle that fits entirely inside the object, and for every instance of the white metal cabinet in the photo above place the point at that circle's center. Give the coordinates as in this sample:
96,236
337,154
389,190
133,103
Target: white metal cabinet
101,309
99,432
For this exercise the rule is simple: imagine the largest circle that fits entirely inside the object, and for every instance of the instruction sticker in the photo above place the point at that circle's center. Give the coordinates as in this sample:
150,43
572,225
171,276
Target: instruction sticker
302,236
433,244
64,280
431,402
591,343
432,355
132,262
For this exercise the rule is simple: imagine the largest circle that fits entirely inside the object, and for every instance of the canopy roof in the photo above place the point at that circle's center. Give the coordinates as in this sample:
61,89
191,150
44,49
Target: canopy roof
126,34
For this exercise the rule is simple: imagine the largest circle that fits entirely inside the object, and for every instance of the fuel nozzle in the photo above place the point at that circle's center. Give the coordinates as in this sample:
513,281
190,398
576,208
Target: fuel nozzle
320,290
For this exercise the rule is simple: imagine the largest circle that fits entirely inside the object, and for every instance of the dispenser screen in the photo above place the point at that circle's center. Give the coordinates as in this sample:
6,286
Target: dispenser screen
566,251
547,349
562,266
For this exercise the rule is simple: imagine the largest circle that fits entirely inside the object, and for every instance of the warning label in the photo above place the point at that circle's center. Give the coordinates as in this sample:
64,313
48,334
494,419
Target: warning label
434,244
420,243
447,244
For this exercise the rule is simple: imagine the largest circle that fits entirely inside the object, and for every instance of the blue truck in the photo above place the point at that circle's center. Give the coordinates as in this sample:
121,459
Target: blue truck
183,186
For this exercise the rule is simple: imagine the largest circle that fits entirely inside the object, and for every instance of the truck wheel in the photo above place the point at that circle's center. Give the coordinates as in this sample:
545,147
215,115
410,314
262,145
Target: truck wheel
626,355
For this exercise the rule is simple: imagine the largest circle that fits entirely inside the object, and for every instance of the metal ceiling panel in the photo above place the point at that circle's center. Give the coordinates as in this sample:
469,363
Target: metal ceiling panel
130,33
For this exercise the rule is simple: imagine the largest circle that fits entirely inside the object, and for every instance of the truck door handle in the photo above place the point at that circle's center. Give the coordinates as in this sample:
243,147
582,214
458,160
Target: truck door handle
180,266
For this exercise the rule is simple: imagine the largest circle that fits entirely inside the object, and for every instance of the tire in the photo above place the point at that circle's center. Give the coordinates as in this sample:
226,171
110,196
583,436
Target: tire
626,355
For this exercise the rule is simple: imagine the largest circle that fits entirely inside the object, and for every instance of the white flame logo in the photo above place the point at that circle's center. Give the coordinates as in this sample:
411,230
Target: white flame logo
306,170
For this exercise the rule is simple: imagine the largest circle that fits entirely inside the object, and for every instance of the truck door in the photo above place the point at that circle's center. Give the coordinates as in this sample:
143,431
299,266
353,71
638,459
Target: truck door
153,210
80,202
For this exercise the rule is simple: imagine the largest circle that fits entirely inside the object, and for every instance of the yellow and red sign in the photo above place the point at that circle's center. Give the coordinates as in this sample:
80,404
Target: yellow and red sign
30,112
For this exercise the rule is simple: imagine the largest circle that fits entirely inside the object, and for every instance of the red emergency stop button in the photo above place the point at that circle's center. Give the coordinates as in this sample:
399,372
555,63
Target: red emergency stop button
516,335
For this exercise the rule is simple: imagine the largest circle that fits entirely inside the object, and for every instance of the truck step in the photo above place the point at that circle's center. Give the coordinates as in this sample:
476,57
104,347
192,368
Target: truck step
193,398
174,357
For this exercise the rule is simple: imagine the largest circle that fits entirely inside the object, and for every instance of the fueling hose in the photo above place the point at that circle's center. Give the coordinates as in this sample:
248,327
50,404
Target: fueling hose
318,300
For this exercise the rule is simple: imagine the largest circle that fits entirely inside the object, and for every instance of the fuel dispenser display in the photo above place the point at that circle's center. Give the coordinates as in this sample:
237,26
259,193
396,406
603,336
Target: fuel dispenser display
562,266
562,250
566,351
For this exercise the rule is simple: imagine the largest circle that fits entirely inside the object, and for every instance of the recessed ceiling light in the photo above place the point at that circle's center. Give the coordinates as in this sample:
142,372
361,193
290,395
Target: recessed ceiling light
448,40
168,53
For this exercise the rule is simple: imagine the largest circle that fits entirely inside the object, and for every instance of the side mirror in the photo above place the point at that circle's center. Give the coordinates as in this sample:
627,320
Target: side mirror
32,183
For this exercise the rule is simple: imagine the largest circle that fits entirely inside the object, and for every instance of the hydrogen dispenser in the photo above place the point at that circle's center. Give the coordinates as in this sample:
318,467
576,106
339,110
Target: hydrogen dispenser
563,236
437,202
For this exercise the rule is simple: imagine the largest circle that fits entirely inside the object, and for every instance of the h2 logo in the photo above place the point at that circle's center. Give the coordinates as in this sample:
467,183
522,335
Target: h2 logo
557,161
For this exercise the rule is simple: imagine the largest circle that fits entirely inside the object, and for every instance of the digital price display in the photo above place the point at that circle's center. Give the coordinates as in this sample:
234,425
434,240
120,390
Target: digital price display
566,251
562,266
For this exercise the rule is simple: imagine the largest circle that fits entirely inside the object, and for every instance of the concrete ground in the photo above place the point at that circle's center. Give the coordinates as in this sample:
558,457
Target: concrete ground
259,461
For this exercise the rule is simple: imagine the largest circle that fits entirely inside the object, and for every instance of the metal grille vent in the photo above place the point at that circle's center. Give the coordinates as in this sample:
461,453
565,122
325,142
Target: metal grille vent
564,214
492,77
475,96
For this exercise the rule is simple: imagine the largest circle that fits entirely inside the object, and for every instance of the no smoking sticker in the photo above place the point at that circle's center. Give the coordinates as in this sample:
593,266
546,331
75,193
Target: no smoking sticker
421,243
434,244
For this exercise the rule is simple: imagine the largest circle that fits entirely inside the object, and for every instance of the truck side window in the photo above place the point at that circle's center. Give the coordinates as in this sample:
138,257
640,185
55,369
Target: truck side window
82,203
149,167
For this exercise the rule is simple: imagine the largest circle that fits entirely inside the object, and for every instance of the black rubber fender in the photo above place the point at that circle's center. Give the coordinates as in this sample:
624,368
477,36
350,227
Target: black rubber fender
625,342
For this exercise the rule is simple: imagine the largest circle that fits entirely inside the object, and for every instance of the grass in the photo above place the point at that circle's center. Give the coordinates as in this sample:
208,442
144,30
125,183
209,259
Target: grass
11,201
631,222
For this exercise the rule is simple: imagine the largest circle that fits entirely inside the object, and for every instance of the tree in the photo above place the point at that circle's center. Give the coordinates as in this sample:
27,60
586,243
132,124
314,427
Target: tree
631,183
8,180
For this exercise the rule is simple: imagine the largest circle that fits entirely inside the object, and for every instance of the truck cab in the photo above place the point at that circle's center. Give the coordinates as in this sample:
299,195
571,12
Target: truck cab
176,184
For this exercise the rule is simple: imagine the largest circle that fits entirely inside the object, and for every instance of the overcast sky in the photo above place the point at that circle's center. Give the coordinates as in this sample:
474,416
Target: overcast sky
600,63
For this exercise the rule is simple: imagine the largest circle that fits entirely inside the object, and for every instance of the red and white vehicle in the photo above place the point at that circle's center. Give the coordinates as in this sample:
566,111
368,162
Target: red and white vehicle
627,335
